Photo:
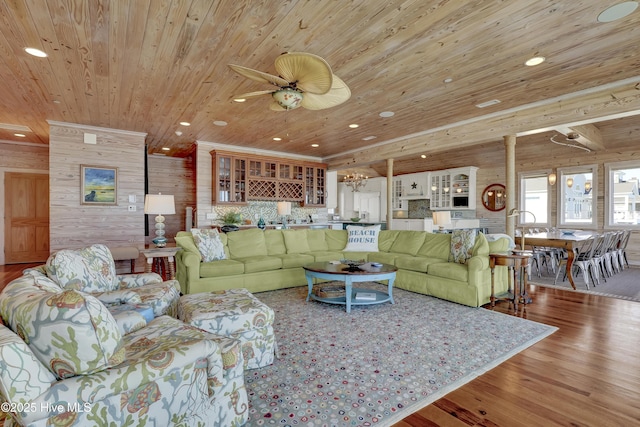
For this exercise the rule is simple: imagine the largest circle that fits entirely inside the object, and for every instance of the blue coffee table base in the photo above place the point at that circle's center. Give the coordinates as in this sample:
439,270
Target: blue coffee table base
350,292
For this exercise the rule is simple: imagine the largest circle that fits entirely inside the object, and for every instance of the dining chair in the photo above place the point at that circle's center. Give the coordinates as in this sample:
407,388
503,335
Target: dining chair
621,251
582,261
598,258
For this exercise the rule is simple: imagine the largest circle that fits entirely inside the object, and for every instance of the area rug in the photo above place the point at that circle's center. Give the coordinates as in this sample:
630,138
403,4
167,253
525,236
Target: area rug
379,363
622,285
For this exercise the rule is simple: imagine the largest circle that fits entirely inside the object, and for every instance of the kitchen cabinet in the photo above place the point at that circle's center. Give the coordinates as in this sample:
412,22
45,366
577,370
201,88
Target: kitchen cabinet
332,190
397,203
454,189
425,224
315,186
229,179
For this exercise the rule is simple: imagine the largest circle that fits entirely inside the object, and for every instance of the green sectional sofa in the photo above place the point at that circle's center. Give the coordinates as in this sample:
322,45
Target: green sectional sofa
272,259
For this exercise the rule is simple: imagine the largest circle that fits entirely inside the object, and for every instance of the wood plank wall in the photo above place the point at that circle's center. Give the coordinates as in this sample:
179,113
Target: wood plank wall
74,225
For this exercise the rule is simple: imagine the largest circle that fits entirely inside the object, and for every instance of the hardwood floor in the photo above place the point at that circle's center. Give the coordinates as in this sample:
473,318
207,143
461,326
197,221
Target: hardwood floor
585,374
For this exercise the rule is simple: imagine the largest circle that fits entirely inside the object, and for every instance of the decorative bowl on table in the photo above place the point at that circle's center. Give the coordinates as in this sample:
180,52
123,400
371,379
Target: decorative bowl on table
567,231
354,219
353,265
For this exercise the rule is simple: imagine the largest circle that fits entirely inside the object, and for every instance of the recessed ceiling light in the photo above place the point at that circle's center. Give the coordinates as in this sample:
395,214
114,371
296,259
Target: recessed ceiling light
55,101
424,156
315,145
21,135
353,125
536,60
178,133
220,123
369,138
185,123
387,114
166,148
35,52
448,80
277,139
488,103
239,99
617,11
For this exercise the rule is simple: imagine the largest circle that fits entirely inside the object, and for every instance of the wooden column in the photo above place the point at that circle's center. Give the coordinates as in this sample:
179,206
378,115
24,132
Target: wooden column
389,192
510,184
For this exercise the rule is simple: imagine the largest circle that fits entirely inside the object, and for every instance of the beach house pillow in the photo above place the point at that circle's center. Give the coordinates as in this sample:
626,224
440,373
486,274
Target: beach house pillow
362,239
462,242
209,244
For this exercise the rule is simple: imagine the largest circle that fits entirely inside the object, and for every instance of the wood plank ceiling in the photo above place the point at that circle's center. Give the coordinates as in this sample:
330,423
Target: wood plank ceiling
147,65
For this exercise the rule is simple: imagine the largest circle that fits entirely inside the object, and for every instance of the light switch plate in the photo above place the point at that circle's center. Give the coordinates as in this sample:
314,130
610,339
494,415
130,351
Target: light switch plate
211,216
132,208
132,198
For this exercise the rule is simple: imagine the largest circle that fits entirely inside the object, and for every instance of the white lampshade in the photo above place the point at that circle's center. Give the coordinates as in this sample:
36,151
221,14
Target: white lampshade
284,208
442,218
159,204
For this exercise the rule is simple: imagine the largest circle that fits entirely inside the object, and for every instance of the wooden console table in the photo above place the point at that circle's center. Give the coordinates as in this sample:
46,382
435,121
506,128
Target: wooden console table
156,258
517,265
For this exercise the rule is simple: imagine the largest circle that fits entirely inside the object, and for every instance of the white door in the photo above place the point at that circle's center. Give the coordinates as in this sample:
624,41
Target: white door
370,203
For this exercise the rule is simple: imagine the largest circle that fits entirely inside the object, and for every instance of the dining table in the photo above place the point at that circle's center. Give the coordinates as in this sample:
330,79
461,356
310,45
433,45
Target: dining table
559,239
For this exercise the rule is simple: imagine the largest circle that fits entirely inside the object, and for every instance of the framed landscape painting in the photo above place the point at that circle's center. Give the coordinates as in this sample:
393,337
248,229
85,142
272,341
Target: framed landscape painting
99,185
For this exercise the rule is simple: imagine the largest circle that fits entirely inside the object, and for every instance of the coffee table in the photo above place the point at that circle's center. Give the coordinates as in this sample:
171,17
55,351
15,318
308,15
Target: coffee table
349,275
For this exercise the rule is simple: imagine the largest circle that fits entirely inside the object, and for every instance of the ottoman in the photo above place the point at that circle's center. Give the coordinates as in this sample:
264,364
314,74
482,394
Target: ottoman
234,313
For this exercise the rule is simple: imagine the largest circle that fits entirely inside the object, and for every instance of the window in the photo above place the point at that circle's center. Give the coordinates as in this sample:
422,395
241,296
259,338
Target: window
577,190
534,198
621,197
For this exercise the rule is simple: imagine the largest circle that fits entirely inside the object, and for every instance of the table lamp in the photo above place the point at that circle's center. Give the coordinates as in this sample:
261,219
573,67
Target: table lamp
441,218
284,210
516,212
160,205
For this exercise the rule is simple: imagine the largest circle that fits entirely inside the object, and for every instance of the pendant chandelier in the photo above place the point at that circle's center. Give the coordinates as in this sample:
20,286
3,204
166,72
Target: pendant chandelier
355,181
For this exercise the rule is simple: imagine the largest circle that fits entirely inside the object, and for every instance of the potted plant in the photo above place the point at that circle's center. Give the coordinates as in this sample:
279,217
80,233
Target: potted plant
230,221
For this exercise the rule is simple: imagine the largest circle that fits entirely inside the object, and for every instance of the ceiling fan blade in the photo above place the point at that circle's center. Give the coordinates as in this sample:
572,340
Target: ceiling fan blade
254,94
338,94
309,72
274,106
259,76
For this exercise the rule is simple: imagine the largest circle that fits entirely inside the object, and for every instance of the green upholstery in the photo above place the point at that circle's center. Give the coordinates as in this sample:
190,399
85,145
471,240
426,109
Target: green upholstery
273,259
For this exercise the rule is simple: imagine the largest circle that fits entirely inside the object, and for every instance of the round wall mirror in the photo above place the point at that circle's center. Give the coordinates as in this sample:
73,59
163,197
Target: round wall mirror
494,197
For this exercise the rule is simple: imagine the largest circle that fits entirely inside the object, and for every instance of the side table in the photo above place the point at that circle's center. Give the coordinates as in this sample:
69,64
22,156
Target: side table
517,265
156,257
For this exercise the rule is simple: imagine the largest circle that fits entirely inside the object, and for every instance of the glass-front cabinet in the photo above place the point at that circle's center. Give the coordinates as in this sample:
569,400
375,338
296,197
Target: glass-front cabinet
398,204
440,190
238,178
230,179
315,186
454,189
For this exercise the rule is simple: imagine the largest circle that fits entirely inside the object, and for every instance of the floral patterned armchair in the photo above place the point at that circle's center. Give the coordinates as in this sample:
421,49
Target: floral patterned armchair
64,360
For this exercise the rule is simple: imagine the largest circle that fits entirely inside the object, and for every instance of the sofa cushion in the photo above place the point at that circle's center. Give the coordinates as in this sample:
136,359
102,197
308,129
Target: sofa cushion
449,270
71,332
336,239
436,245
89,269
209,244
386,239
247,243
275,242
462,243
317,240
254,264
296,241
362,239
481,246
185,242
296,260
383,257
326,255
418,263
221,268
408,242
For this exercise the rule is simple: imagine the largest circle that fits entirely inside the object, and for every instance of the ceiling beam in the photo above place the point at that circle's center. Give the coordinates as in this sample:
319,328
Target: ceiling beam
538,118
588,136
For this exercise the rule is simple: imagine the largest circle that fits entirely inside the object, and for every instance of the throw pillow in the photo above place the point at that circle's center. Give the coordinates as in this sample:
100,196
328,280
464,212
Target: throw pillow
209,244
462,242
362,239
89,269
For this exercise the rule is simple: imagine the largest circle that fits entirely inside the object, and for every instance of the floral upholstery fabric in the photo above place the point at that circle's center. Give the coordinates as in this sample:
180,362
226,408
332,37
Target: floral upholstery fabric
462,242
209,244
90,269
173,375
131,317
53,324
234,313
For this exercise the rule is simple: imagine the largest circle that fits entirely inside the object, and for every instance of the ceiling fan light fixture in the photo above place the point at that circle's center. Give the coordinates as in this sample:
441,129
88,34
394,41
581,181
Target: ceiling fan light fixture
288,98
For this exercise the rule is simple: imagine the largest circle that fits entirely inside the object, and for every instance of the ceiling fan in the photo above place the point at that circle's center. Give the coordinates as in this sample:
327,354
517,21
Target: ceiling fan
305,80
